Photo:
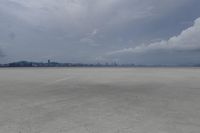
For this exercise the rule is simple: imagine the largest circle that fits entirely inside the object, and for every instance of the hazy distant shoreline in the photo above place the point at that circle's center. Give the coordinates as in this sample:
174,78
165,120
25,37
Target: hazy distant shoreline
105,65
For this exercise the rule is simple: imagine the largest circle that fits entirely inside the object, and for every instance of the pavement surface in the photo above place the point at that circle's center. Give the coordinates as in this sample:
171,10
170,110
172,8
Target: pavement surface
99,100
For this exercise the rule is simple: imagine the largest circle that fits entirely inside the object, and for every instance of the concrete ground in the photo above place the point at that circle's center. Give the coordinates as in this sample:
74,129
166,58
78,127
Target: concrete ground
100,100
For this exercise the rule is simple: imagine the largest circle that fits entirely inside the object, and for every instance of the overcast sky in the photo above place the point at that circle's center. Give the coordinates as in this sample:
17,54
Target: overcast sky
91,31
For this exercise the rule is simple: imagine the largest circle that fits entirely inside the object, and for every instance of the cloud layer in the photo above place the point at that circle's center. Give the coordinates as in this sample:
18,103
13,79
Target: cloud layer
187,43
188,40
1,53
86,30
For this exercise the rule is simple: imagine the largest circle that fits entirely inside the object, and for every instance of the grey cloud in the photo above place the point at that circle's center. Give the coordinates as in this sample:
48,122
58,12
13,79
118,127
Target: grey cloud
83,15
187,43
188,40
1,53
84,30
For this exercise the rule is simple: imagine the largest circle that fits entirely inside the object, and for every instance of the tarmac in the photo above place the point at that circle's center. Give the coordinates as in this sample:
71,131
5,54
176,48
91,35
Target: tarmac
99,100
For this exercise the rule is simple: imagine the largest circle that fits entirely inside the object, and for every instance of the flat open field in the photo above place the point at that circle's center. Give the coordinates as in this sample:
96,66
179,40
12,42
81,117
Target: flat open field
100,100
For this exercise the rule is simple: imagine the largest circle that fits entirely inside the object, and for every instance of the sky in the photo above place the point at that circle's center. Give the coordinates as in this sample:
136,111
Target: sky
98,31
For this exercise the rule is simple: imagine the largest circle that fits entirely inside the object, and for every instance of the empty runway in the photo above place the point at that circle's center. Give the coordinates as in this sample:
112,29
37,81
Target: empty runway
99,100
